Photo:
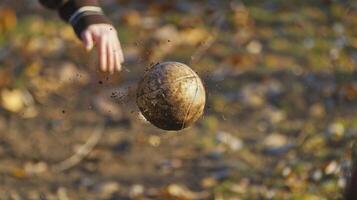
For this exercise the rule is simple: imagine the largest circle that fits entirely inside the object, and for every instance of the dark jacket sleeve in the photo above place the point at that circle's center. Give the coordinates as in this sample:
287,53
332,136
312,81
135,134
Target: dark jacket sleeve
79,13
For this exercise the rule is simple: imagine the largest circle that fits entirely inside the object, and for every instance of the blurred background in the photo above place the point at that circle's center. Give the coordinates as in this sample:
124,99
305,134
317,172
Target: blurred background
280,116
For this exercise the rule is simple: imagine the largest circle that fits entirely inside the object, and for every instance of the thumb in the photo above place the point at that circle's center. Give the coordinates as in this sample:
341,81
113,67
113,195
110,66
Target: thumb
87,40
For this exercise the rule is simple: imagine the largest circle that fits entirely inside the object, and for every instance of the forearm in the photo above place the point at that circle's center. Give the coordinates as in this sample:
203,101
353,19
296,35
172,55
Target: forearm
79,13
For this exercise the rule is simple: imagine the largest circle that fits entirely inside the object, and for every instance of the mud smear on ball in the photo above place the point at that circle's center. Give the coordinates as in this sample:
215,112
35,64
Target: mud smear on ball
171,96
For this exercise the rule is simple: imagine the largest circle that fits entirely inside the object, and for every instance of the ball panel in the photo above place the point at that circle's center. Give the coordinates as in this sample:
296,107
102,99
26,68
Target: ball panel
197,108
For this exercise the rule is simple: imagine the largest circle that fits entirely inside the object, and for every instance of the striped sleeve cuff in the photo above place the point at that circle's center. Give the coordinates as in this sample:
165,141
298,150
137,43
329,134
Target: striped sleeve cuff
82,13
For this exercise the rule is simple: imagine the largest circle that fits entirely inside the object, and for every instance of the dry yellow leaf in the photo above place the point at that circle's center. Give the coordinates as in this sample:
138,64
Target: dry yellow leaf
7,19
131,18
241,16
34,68
18,173
193,36
12,100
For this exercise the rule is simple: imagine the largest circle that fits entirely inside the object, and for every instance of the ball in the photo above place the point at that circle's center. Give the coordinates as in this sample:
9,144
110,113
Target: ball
171,96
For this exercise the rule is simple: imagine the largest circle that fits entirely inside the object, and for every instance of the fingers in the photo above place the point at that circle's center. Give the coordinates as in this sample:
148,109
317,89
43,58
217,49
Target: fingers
120,51
117,60
110,58
87,40
102,54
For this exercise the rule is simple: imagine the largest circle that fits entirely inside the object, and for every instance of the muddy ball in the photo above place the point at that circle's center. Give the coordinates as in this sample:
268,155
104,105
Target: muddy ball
171,96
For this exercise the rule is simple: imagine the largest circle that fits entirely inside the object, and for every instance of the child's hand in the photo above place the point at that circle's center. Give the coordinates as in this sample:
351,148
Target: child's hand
105,37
